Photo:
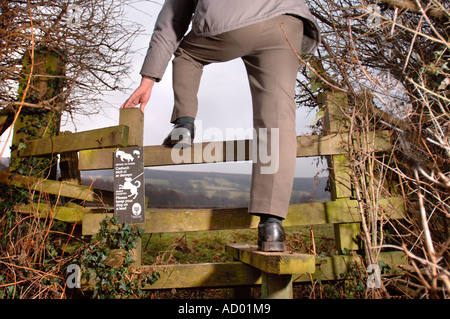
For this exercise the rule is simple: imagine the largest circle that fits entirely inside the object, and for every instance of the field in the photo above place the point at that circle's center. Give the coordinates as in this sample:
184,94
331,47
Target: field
209,246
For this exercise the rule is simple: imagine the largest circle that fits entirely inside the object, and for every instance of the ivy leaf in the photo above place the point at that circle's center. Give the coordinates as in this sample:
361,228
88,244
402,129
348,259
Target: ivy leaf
21,146
320,114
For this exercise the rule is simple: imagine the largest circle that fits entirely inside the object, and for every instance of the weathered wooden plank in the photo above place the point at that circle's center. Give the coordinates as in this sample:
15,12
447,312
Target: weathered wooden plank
73,214
158,155
170,221
226,274
206,275
337,144
280,263
95,159
167,221
99,138
63,189
228,151
231,274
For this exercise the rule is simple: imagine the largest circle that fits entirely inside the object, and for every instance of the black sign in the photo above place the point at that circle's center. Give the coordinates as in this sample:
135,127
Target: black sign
129,185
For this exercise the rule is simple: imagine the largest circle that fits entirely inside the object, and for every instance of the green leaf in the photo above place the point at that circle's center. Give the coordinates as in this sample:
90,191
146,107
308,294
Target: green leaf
320,114
21,146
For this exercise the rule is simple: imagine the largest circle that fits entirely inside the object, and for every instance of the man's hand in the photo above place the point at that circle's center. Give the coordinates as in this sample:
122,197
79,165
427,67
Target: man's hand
141,95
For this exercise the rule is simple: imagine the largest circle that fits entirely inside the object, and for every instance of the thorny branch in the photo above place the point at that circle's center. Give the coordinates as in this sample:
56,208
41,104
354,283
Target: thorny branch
96,50
399,66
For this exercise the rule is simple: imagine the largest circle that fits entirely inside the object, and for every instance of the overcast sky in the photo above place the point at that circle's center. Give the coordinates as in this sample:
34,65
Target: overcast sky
224,102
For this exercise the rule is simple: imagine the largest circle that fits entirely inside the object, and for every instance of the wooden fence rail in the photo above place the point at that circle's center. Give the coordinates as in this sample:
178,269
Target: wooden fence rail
174,221
106,137
158,155
95,149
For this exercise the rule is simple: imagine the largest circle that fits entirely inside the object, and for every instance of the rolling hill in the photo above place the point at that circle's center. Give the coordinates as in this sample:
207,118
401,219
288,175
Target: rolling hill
202,189
205,189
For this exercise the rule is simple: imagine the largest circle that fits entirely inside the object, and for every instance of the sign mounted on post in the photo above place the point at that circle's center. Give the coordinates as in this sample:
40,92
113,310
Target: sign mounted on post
129,185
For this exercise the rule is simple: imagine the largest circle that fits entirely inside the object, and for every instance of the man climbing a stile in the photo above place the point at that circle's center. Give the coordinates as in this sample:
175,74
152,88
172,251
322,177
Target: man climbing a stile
268,35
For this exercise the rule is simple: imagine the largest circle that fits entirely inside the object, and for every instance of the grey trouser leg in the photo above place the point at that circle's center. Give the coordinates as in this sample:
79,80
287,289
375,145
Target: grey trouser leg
272,68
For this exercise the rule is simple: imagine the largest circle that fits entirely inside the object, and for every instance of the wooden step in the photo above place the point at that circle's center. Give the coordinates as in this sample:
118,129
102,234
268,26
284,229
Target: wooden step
279,263
276,268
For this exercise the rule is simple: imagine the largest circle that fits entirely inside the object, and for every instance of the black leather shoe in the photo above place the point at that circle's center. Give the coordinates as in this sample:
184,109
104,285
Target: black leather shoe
271,236
181,133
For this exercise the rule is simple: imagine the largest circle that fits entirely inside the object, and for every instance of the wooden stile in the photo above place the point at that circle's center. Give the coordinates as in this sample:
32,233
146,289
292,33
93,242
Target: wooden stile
275,272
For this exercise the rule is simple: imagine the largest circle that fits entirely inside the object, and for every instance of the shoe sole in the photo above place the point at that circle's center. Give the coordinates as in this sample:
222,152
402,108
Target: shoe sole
272,247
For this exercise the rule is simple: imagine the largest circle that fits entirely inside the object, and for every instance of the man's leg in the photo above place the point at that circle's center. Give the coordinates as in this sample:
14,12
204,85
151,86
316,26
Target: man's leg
186,76
192,55
196,52
272,70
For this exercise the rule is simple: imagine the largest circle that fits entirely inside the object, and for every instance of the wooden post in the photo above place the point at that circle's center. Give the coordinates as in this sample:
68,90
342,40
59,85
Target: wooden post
276,286
68,165
134,119
346,235
47,82
241,292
